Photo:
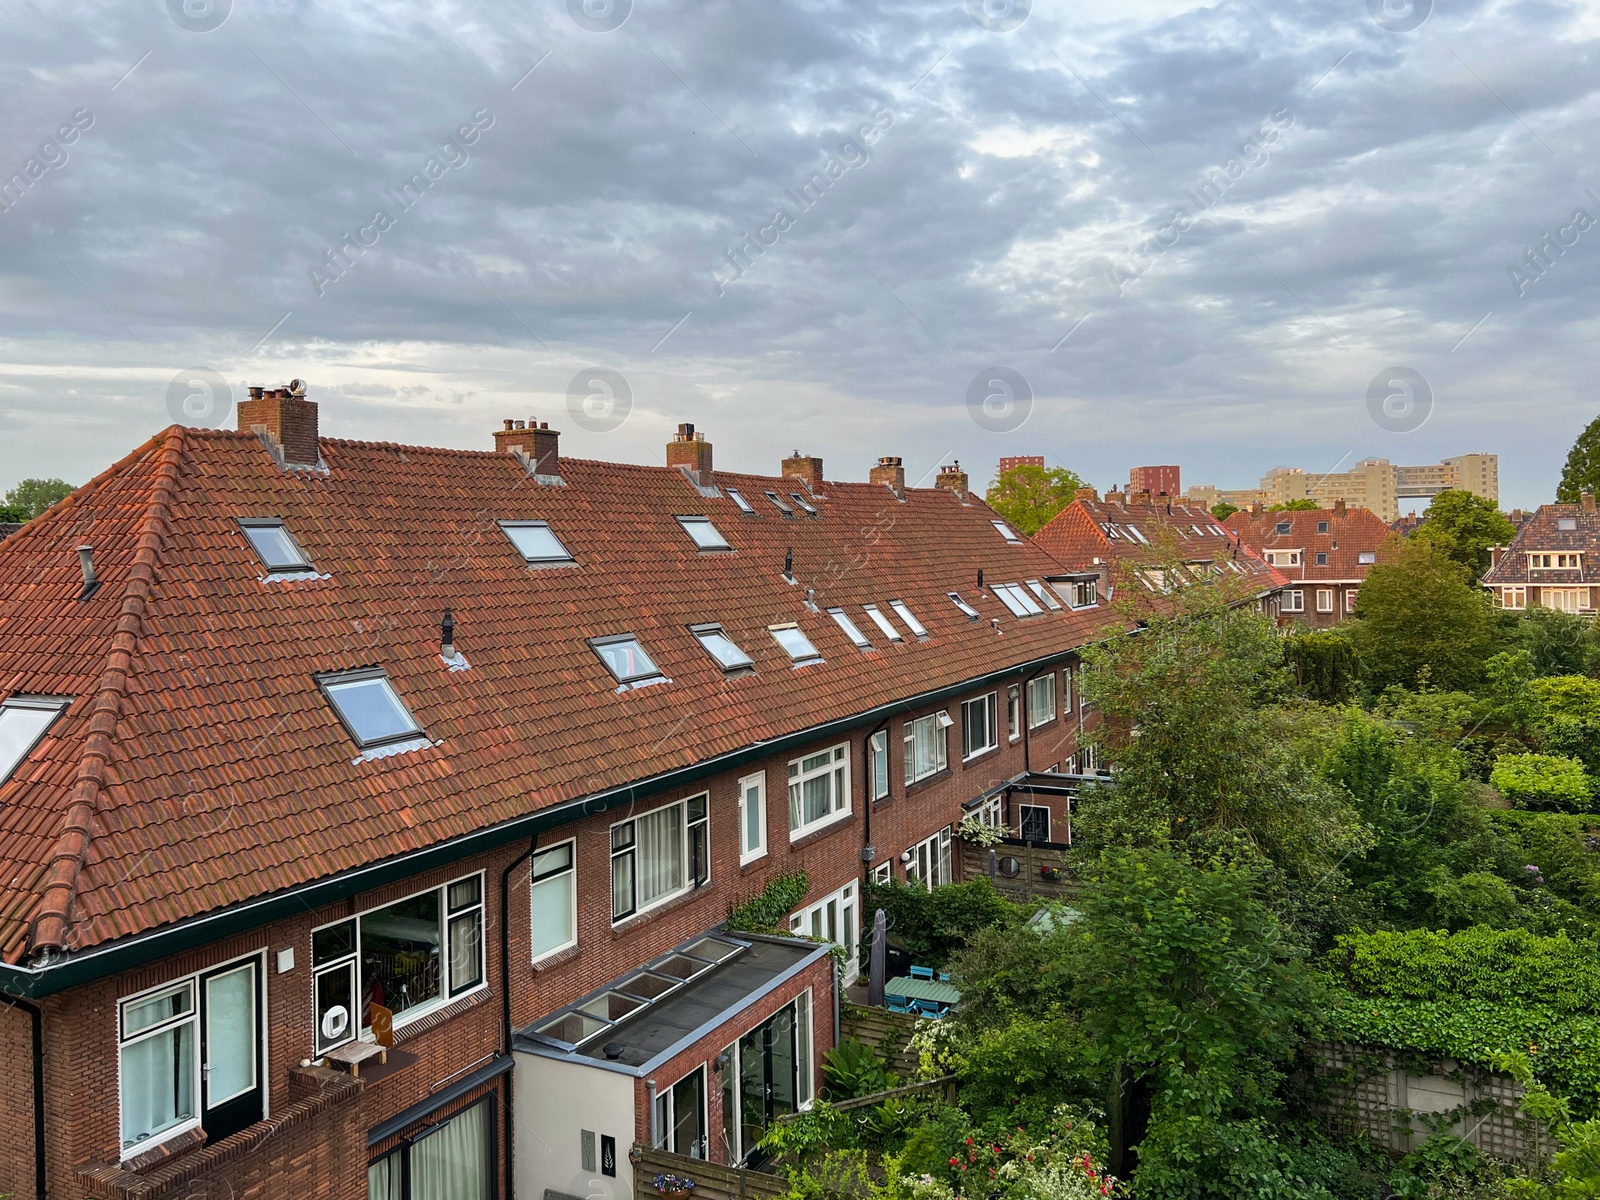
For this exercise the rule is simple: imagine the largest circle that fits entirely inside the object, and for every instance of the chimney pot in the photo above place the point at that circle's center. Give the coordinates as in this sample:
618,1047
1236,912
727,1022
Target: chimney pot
287,417
86,564
953,478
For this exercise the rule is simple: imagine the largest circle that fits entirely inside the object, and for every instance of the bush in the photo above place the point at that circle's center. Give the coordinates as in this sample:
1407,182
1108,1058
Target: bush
1509,966
1542,781
1324,665
852,1069
932,925
1474,899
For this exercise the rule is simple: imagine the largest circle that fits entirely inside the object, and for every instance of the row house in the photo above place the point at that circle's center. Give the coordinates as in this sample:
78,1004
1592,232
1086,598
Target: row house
1552,562
371,815
1155,545
1324,555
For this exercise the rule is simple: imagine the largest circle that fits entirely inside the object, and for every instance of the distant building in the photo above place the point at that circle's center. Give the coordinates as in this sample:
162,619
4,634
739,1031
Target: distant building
1553,562
1325,553
1158,481
1021,460
1375,484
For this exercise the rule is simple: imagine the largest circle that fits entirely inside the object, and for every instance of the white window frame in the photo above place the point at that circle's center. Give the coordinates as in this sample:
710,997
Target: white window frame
878,757
903,611
1018,600
564,559
812,921
756,783
881,620
883,873
1350,599
1007,532
1014,712
966,609
1039,590
837,769
941,755
1294,600
703,543
54,705
705,633
570,874
932,860
850,629
191,984
1066,690
1324,600
1514,597
1021,824
689,880
1036,689
990,703
802,654
666,1115
1367,557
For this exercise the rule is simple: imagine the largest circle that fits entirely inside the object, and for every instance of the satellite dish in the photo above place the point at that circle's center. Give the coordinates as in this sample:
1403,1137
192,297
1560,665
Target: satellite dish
336,1020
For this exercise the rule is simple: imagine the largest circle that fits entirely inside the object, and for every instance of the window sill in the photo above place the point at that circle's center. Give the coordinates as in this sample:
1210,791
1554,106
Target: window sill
556,958
1041,725
633,921
753,860
148,1153
814,832
984,753
410,1025
926,780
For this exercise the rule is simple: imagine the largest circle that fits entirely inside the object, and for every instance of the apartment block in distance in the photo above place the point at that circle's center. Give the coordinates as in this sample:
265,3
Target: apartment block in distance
1020,460
1375,484
1154,481
371,815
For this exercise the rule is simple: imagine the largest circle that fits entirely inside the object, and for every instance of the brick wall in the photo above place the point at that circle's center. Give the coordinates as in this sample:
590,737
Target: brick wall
16,1103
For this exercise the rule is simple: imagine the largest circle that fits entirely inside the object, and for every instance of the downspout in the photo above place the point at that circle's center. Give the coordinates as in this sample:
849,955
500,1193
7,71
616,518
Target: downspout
866,809
650,1086
505,992
36,1018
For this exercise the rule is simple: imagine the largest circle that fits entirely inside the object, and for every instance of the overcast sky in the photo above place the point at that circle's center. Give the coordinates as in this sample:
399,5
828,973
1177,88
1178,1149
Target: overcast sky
594,197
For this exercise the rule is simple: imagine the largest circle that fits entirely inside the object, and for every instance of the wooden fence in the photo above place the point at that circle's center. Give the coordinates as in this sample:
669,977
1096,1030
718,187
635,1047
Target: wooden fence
1021,870
886,1032
713,1181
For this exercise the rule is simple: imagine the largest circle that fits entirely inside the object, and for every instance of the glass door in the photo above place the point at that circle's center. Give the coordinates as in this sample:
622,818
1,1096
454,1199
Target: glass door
230,1049
767,1080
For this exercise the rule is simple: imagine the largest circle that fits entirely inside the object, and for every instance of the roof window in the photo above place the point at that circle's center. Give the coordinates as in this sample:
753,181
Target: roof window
1367,556
535,541
722,648
741,502
803,504
1014,597
1322,527
780,505
967,609
23,721
883,623
1285,526
1567,524
1007,532
906,615
625,658
369,707
796,644
1138,535
277,551
704,534
1039,590
851,629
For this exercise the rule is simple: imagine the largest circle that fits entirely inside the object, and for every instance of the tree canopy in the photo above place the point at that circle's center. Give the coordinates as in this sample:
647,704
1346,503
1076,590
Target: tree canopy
1419,619
1463,526
1582,472
1302,505
32,496
1222,510
1028,496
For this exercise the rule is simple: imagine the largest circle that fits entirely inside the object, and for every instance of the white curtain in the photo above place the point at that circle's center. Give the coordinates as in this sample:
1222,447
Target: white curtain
231,1033
660,853
383,1178
552,913
452,1163
158,1083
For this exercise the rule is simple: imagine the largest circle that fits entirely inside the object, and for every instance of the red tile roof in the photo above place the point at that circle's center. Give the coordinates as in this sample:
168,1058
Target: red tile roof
1542,533
1351,533
199,766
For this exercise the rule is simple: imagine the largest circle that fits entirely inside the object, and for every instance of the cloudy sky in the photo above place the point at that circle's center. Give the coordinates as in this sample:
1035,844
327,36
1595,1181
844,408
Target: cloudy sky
1192,234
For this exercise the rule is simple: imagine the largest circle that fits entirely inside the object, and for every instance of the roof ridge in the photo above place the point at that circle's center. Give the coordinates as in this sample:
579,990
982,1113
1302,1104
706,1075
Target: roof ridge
80,495
52,914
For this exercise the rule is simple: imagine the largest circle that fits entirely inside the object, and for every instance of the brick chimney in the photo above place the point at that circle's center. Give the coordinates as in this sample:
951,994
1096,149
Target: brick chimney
286,416
1087,493
1140,498
806,469
537,440
1586,499
691,450
889,472
953,478
1116,497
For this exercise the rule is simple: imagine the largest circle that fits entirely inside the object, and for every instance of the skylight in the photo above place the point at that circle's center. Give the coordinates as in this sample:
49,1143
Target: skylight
744,505
796,644
1007,532
367,704
1017,600
1038,589
705,534
1367,556
722,648
535,541
780,505
23,721
625,658
963,605
1137,535
273,545
906,615
883,623
1285,526
851,630
1567,523
803,504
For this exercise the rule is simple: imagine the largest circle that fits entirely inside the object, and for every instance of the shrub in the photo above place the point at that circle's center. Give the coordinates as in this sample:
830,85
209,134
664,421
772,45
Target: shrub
853,1068
932,925
1509,966
768,909
1324,664
1541,781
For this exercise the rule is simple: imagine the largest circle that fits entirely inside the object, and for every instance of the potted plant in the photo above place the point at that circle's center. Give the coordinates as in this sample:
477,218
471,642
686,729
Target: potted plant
673,1187
1051,873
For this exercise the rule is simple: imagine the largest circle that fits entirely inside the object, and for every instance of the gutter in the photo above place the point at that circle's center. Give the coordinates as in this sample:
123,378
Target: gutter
36,1018
59,973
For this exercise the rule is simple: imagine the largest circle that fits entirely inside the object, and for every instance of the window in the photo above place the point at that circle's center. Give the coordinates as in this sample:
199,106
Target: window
1284,558
535,542
1138,535
741,502
680,1116
978,726
409,957
1284,527
722,648
1081,593
851,631
1350,600
1041,701
23,721
1322,558
451,1159
1007,532
1034,820
1322,527
1048,600
277,551
878,763
1014,711
1324,600
1066,691
819,789
158,1063
883,623
906,615
795,644
883,873
1559,562
925,746
967,610
1567,524
1367,557
367,704
703,533
625,658
931,864
832,920
780,505
657,856
1514,597
1017,599
1294,600
803,504
553,898
752,818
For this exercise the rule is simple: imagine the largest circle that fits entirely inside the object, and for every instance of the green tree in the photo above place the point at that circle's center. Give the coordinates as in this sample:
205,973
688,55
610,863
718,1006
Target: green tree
1464,526
1542,781
1302,505
1420,620
1582,472
1559,643
1028,496
1324,664
1222,510
32,496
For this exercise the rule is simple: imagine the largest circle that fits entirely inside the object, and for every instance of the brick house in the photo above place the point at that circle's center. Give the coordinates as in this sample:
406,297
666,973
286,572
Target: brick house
1323,553
1554,560
370,814
1151,543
